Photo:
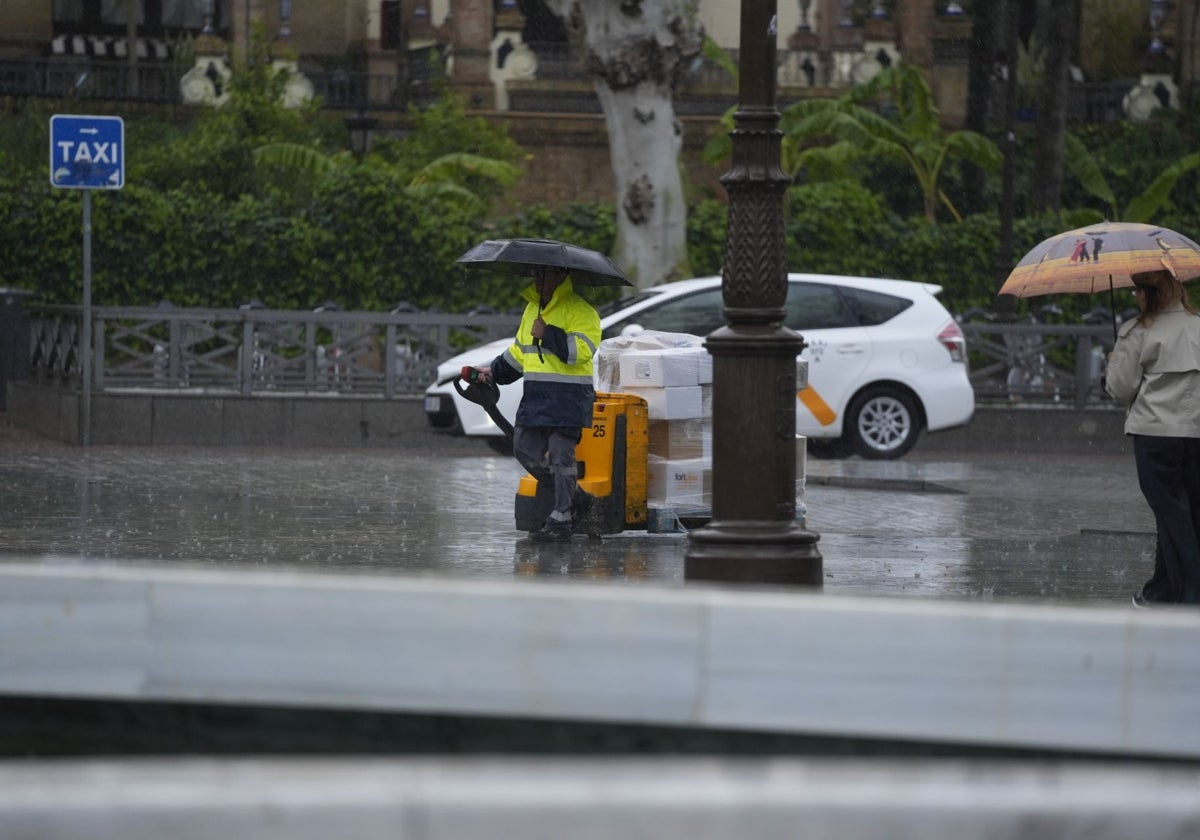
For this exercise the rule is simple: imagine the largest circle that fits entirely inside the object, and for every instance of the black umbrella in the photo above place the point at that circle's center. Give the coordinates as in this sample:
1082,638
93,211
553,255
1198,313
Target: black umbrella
521,256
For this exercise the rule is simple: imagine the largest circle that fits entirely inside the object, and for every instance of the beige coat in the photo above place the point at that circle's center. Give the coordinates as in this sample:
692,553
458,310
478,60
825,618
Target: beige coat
1155,373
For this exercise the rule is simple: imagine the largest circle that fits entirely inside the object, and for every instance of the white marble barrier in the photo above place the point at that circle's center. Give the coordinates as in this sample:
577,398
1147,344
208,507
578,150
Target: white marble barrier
594,799
1102,680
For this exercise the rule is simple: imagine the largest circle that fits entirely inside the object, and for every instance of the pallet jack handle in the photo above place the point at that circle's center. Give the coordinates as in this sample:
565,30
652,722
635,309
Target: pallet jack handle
485,393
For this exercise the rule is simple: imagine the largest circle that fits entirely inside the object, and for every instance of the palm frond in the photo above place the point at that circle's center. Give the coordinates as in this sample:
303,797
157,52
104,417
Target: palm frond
714,52
294,156
975,148
1083,166
1143,207
458,196
456,167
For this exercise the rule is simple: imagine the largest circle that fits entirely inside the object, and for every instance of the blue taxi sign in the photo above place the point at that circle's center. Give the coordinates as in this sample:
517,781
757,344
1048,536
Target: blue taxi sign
87,152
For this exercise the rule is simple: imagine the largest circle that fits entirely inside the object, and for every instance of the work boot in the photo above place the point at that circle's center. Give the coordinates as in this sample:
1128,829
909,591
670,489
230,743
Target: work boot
553,532
581,503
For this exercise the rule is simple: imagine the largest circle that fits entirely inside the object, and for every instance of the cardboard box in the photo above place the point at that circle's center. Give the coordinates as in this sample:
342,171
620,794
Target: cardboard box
667,368
670,403
684,484
679,439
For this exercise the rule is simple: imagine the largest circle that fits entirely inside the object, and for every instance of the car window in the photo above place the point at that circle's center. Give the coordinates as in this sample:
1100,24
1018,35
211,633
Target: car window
874,308
816,306
624,303
698,314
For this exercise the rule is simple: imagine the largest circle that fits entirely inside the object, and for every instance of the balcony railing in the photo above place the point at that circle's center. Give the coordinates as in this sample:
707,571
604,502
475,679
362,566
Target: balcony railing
78,77
704,88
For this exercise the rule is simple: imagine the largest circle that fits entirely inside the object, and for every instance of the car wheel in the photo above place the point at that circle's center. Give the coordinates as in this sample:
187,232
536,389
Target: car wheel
883,423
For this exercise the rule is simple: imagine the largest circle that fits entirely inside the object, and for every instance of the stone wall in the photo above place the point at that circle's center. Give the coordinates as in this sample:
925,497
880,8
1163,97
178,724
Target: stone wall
569,159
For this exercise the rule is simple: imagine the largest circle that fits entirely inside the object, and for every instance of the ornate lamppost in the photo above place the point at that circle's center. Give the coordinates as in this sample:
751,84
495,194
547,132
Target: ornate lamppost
753,536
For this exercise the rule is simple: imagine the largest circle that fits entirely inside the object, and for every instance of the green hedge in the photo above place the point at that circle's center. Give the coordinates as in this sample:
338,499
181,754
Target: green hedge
364,242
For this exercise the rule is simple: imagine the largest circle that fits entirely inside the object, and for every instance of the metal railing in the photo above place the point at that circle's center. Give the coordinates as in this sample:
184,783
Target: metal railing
85,78
259,351
80,77
1047,363
254,351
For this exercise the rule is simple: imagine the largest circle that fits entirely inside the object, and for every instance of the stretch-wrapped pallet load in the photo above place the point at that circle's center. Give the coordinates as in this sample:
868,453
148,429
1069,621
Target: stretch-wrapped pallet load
672,372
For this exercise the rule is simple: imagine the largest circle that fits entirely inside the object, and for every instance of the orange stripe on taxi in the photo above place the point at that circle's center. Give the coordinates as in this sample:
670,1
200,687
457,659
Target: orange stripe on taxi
819,408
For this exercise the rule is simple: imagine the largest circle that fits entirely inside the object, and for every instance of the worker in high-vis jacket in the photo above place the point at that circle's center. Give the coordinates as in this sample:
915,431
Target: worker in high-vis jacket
553,351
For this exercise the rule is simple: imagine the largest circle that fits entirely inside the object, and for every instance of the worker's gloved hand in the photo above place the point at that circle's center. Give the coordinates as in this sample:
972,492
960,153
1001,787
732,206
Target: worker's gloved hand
476,374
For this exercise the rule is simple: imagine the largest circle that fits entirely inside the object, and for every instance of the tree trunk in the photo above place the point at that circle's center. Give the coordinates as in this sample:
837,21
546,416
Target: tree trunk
983,56
1058,21
1006,305
636,49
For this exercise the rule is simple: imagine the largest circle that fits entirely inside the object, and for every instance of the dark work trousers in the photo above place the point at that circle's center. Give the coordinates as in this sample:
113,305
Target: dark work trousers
548,452
1169,475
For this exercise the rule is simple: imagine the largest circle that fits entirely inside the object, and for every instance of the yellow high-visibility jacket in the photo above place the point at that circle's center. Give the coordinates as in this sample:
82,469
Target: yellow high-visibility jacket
558,374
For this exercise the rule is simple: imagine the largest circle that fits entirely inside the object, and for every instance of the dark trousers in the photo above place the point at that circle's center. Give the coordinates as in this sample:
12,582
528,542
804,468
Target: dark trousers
1169,476
548,452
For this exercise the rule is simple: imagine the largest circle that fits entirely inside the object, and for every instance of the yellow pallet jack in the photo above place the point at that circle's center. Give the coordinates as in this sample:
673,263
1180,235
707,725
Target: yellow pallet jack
611,458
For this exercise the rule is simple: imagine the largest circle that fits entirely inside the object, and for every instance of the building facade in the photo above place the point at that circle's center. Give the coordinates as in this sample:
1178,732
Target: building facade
515,61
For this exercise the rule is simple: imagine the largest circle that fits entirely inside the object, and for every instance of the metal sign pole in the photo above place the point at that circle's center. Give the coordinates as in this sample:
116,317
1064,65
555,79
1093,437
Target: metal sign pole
87,153
85,341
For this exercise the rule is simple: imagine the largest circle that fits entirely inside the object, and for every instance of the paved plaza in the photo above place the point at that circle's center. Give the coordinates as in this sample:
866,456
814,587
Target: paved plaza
1035,528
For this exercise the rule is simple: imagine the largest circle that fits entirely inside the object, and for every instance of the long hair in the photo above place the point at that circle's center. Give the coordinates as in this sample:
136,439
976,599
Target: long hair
1162,291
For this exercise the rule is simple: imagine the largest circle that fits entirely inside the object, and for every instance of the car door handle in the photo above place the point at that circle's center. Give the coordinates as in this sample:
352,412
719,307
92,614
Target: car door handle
851,349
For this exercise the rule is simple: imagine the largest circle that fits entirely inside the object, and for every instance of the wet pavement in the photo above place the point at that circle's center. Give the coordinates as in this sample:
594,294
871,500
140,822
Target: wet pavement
977,527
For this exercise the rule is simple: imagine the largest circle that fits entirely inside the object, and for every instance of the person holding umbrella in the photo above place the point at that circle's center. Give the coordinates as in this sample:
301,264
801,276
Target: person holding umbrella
1154,370
553,350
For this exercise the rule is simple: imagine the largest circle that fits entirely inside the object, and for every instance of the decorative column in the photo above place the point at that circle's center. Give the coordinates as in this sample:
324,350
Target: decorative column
1156,88
914,28
879,46
471,48
951,63
753,536
511,57
804,54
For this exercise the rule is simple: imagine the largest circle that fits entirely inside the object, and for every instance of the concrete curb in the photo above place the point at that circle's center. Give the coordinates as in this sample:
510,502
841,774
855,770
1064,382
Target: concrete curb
152,419
532,799
1109,681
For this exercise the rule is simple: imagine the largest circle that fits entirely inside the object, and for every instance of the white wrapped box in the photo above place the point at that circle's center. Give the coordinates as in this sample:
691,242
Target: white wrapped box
668,368
682,485
607,361
670,403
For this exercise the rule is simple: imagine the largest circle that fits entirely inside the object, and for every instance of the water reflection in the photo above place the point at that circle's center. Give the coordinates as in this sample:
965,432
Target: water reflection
632,557
1033,528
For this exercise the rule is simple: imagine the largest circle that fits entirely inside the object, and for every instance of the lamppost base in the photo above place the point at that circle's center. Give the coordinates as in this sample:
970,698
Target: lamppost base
754,551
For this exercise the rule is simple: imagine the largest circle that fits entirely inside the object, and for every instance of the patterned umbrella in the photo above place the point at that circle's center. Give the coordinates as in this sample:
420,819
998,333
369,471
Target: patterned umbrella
1100,258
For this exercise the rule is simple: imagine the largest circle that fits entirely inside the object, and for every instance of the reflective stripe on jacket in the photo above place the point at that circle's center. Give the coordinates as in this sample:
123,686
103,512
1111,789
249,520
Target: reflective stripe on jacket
1154,372
558,381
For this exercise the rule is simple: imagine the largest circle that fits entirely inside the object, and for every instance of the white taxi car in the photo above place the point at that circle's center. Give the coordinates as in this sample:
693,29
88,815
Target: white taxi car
885,359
